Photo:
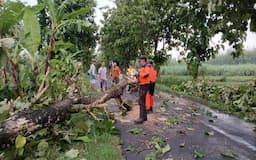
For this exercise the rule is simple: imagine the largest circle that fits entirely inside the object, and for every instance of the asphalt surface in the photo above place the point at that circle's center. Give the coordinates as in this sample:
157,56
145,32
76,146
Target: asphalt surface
191,130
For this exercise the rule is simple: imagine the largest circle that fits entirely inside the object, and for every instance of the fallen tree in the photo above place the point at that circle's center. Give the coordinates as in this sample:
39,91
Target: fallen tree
28,121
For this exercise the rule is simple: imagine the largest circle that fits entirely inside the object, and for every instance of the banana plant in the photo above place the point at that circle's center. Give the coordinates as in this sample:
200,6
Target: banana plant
59,19
19,30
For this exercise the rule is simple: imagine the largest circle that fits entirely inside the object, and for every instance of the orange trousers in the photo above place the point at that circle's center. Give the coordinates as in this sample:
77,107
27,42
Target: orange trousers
149,101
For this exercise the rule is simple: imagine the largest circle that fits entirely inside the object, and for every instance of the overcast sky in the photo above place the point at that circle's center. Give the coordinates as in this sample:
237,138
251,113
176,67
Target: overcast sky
250,43
98,11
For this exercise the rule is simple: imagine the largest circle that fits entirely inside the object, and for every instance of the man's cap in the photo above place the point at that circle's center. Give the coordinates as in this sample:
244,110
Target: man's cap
93,60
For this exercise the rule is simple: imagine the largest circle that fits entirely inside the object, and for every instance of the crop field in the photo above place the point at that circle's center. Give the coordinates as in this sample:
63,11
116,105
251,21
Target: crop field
229,88
212,70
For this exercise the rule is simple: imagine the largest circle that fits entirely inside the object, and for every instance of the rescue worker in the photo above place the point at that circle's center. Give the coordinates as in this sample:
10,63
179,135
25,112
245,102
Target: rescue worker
150,95
144,81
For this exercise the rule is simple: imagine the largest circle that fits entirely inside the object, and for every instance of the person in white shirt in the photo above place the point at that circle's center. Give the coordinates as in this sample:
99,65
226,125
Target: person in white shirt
92,74
103,76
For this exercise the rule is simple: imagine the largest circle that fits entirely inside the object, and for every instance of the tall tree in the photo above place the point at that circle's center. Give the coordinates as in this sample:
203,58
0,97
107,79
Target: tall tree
138,26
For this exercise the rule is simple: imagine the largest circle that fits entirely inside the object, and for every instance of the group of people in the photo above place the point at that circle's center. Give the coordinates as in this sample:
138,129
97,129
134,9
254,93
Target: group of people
146,79
102,75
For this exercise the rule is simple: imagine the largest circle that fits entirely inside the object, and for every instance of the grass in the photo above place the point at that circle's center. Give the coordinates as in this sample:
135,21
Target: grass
213,70
224,81
104,147
218,80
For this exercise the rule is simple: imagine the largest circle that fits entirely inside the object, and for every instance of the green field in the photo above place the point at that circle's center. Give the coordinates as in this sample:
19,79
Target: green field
229,88
218,80
212,70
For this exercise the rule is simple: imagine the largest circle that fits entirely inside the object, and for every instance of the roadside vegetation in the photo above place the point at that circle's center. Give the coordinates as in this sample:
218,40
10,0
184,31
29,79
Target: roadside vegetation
44,50
227,87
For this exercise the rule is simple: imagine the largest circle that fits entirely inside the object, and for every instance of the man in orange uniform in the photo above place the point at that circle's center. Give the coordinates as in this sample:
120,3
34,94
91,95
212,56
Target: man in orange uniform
150,95
144,83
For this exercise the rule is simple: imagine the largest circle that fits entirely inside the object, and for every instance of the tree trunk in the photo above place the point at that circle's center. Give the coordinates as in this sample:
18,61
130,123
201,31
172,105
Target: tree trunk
14,75
3,75
49,52
28,121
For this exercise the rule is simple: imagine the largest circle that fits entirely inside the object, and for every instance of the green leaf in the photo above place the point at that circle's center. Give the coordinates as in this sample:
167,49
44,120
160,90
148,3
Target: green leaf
51,8
62,45
182,145
42,146
72,153
32,30
38,7
85,139
67,139
10,16
151,156
135,130
4,106
198,154
20,141
229,155
76,13
209,133
20,151
166,148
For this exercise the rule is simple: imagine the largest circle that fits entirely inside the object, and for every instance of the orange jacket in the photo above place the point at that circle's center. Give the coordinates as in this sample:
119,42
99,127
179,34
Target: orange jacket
152,74
117,72
144,75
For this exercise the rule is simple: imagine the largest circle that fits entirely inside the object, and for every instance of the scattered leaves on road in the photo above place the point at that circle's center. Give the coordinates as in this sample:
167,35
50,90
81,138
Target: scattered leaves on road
172,121
182,145
229,155
165,149
130,148
211,133
198,154
151,156
135,130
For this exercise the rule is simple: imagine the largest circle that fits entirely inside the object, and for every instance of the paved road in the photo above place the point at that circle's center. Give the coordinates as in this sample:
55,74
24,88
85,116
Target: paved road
226,134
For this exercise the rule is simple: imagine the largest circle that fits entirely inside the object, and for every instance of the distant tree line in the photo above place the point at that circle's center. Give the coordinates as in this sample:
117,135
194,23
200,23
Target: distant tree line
249,57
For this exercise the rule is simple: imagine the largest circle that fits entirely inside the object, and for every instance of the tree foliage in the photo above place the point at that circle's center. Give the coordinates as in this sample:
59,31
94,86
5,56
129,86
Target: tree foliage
35,52
137,27
76,26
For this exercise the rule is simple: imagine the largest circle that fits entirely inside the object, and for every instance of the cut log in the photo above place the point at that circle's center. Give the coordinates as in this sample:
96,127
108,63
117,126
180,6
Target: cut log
28,121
